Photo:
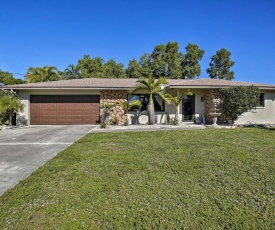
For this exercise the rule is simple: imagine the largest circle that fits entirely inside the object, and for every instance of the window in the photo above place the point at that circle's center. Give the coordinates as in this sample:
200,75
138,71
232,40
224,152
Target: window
144,99
261,100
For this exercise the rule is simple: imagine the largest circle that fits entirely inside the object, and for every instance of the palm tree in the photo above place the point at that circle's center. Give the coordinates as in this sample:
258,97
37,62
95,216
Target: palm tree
10,104
72,72
127,106
153,87
176,101
42,74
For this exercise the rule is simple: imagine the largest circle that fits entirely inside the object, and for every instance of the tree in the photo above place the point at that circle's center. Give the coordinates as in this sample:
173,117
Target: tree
42,74
173,60
113,69
133,70
152,86
158,63
91,67
10,104
238,100
176,101
7,78
190,61
168,62
220,65
145,64
72,72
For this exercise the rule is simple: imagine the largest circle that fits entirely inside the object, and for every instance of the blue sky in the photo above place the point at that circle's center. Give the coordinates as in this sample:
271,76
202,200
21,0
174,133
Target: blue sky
58,32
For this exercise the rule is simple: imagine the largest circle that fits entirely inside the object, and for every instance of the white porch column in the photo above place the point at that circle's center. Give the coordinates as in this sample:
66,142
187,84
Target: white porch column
179,107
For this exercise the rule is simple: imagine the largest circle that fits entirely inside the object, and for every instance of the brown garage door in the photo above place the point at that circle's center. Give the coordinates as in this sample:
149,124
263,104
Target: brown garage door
64,109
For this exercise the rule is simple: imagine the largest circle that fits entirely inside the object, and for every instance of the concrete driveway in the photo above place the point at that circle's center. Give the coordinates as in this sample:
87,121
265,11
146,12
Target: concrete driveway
23,150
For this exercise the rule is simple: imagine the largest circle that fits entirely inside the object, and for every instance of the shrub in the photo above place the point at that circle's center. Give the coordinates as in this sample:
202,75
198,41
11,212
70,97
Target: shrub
238,100
113,121
102,125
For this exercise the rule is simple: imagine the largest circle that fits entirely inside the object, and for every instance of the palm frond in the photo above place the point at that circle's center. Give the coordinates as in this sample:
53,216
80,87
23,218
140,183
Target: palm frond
160,81
138,87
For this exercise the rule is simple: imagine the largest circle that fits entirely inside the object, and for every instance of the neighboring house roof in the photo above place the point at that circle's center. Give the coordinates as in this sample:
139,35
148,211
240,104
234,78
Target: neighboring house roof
128,83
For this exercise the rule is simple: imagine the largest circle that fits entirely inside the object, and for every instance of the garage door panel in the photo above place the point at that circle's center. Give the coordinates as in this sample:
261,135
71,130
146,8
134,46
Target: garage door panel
87,120
78,120
51,121
81,105
60,106
79,113
35,121
47,113
69,113
87,113
64,109
35,112
60,113
46,120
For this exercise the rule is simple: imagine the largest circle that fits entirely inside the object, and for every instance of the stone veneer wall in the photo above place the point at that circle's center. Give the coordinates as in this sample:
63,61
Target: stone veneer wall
210,95
113,97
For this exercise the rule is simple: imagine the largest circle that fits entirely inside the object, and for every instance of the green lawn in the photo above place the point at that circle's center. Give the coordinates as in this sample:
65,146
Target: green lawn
200,179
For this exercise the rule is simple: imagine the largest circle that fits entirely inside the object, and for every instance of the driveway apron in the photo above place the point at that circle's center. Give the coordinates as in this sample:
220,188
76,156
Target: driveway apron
23,150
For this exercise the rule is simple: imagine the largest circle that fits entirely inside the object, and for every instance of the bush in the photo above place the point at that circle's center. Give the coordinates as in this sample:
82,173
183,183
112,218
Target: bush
238,100
102,125
113,121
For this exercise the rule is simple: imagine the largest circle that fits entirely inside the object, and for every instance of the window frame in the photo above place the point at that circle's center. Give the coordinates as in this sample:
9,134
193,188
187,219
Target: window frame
261,103
144,105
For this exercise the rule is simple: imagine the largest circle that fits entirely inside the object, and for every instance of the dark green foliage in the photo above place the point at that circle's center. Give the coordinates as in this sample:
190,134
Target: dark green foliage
190,61
145,64
158,63
98,68
71,72
113,69
91,67
133,70
168,62
204,179
173,60
220,65
164,61
237,100
7,79
102,125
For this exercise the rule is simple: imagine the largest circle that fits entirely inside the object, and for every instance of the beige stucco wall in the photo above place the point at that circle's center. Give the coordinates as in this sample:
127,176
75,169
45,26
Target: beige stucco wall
199,105
261,115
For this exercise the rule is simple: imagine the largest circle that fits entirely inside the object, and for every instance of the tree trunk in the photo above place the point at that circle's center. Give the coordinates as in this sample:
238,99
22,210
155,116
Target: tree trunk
176,119
151,113
10,119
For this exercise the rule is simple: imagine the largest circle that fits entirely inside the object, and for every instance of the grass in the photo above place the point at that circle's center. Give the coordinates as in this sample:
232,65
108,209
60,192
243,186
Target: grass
204,179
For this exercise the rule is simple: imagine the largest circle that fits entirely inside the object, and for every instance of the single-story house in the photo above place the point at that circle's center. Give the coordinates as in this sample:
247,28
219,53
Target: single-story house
78,101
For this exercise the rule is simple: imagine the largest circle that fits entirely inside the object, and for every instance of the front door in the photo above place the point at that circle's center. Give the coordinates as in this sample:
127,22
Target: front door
188,106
